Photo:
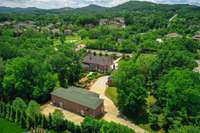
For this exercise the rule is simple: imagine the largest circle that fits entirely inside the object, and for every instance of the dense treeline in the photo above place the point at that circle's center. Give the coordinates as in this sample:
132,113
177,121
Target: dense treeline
32,66
29,117
161,87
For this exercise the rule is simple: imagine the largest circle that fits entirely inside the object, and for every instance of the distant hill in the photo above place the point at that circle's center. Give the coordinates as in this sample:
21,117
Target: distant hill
92,8
89,9
60,10
142,5
95,9
18,10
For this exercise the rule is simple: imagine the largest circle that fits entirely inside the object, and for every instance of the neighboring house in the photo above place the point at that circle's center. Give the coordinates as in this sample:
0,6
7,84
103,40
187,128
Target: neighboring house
68,32
103,21
98,63
56,32
196,37
120,21
117,21
25,25
173,35
89,25
79,101
6,23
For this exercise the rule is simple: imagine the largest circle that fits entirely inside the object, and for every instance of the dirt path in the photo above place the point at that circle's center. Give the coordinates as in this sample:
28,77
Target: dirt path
112,113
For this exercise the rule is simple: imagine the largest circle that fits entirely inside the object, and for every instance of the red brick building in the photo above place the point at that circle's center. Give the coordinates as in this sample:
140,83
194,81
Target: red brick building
79,101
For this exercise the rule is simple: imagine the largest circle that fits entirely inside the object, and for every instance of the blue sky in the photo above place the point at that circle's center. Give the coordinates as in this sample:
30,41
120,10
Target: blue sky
47,4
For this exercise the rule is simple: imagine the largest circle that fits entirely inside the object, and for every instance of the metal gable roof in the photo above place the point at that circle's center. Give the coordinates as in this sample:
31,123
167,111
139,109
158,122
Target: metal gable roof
79,96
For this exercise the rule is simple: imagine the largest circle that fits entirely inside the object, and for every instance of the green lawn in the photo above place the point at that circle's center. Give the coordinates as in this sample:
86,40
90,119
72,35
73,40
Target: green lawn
111,92
72,39
8,127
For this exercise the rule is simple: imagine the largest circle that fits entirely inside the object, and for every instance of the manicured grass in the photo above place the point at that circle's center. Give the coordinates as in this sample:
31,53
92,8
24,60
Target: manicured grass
8,127
111,92
72,39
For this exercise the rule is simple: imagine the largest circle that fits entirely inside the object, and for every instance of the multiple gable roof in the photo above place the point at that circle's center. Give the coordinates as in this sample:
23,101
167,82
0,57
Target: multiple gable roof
98,60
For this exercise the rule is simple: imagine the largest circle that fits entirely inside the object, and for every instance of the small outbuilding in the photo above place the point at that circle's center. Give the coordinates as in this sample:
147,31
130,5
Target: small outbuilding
196,37
79,101
98,63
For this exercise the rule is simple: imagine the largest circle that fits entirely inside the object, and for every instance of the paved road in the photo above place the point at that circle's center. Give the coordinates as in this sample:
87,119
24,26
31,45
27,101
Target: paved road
119,54
112,113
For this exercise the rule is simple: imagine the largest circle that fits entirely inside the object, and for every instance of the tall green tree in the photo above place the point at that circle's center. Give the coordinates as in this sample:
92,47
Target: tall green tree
186,129
131,88
67,67
1,77
169,59
178,98
29,79
33,109
58,120
19,104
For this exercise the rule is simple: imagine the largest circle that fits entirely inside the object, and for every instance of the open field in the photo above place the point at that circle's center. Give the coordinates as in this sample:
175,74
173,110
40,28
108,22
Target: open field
8,127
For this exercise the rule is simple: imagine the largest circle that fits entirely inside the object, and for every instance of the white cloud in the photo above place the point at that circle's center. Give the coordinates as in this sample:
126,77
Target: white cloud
79,3
58,3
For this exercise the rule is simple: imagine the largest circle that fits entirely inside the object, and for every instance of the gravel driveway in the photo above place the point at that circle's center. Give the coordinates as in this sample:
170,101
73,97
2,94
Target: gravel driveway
49,108
112,113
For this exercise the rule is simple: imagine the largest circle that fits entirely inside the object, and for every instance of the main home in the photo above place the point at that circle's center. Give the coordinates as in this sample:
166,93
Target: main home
98,63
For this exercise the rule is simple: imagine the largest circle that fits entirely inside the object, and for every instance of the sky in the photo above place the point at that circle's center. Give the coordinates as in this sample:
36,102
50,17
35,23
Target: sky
49,4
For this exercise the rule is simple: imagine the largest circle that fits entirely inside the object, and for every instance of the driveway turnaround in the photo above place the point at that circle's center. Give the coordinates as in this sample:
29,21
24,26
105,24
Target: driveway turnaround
49,108
112,113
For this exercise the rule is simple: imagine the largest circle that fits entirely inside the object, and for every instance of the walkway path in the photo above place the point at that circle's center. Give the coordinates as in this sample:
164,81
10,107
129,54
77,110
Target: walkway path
112,113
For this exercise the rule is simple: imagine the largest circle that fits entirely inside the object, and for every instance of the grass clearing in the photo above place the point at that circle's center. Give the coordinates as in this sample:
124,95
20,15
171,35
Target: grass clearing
72,39
8,127
111,92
